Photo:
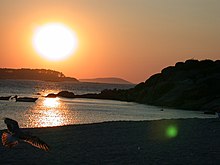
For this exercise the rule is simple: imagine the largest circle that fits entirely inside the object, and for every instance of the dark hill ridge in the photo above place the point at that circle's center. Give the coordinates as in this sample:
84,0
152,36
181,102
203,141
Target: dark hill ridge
193,85
34,74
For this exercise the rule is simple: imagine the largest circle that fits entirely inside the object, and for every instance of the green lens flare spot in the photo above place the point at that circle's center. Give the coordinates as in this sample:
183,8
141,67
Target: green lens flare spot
171,131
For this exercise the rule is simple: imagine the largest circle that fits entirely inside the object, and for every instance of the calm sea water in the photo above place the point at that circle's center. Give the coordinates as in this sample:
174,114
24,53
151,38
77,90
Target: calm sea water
48,112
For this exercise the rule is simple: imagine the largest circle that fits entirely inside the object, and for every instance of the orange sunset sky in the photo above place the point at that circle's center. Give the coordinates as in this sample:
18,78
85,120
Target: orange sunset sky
131,39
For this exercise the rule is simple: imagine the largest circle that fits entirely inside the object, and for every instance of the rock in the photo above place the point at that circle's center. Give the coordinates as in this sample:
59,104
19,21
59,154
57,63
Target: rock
66,94
51,95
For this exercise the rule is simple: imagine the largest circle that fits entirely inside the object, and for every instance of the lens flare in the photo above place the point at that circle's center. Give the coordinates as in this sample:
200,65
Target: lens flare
171,131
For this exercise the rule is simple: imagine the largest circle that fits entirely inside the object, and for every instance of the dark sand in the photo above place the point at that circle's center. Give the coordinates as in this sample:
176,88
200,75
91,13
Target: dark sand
197,142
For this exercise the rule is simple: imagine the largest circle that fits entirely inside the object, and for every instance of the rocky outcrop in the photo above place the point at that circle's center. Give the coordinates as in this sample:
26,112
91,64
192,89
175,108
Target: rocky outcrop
192,85
65,94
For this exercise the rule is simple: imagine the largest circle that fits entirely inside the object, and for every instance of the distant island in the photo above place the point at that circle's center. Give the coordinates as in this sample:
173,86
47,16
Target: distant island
109,80
34,74
190,85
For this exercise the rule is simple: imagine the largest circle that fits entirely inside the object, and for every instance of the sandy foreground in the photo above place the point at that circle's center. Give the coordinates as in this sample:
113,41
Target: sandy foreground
192,141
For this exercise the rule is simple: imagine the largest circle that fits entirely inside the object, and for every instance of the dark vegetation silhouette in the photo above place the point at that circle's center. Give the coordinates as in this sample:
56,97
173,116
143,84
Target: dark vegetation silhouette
34,74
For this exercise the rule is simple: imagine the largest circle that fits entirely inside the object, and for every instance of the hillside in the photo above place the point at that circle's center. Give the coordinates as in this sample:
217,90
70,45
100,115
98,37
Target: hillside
34,74
109,80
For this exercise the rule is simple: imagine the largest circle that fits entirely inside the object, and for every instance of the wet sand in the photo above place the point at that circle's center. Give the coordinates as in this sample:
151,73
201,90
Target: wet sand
193,141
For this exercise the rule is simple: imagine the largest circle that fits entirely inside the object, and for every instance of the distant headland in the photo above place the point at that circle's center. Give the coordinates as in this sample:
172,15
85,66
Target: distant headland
109,80
34,74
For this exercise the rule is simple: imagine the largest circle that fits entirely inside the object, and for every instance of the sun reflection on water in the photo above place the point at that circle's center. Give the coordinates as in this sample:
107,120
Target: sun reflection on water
51,102
51,117
50,112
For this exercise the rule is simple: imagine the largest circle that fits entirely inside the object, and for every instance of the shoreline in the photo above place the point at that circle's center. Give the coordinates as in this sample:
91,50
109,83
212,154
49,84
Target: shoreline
123,142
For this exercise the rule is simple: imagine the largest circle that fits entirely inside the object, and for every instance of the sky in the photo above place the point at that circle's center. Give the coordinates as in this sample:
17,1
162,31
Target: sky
130,39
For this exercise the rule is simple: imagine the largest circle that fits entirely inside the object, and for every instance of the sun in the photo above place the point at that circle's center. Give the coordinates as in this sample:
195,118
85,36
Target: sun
54,41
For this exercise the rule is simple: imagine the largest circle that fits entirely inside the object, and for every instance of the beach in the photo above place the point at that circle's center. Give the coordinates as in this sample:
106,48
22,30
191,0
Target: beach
170,141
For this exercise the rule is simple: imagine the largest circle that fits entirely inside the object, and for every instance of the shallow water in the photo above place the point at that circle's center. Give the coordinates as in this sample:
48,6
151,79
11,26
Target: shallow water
48,112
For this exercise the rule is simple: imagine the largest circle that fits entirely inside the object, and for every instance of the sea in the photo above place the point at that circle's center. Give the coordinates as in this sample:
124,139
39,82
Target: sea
49,112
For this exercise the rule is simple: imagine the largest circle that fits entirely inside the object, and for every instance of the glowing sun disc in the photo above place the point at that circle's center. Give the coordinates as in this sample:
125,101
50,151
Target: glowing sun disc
54,41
